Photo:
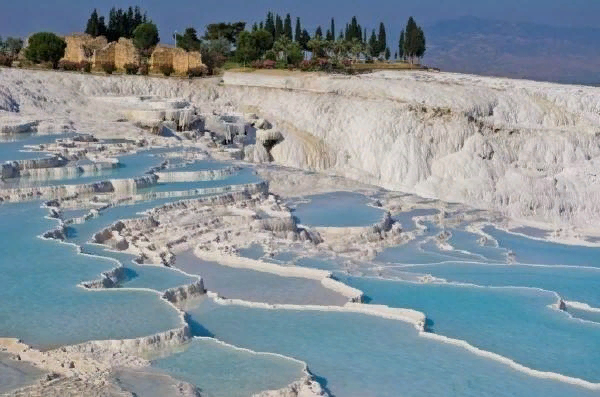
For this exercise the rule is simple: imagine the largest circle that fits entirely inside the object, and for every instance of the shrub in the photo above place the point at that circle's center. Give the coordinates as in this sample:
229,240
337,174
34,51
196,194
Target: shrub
85,66
144,69
108,67
45,47
269,64
68,65
306,65
131,68
167,70
196,72
6,60
270,55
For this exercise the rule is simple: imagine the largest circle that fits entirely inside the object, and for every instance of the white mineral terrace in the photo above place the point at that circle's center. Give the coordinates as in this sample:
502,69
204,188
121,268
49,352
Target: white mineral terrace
514,149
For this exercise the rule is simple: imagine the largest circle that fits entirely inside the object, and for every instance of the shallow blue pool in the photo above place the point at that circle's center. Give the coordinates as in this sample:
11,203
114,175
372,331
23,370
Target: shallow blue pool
339,209
359,355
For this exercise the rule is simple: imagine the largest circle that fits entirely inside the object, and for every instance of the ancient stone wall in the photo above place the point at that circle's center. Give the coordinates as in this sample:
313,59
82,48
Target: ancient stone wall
161,56
81,46
180,60
119,53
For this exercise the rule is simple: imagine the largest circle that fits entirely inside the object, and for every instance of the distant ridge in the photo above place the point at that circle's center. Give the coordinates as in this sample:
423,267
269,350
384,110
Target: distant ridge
521,50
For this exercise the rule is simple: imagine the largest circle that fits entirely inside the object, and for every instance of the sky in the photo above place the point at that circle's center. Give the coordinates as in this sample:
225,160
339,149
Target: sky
23,17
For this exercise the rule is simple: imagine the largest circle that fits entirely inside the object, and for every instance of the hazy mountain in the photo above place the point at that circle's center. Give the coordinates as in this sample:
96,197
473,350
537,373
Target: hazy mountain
522,50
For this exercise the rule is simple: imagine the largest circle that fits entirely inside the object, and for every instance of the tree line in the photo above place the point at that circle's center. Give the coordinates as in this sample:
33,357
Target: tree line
121,23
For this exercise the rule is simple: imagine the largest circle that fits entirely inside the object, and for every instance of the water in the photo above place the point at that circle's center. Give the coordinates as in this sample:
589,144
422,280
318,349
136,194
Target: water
16,374
514,323
158,278
255,286
242,177
339,209
40,294
406,218
12,148
575,284
360,355
253,251
224,371
542,252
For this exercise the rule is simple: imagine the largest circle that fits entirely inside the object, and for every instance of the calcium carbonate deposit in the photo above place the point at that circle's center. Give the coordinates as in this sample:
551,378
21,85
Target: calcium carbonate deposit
282,234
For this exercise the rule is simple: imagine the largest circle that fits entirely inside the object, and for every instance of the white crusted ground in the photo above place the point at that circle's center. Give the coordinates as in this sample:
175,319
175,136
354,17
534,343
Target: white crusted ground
530,150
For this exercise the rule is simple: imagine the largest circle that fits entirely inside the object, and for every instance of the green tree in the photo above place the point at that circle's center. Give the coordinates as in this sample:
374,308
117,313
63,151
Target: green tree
287,27
421,43
247,48
295,54
254,27
364,40
298,31
278,27
137,17
319,32
270,24
145,36
414,41
304,40
11,46
129,22
318,46
92,27
381,38
228,31
45,47
264,41
356,48
373,45
189,40
388,54
401,45
332,29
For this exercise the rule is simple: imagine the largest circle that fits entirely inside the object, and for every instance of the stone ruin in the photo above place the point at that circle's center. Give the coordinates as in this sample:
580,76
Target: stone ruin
97,51
180,60
81,47
119,53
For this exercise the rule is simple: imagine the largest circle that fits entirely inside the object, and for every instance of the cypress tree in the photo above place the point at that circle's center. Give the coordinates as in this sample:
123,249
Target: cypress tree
137,16
92,24
261,25
373,44
332,30
287,28
319,32
305,38
401,45
328,35
364,40
387,54
270,24
298,32
420,44
254,27
278,26
112,33
410,38
381,38
130,22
